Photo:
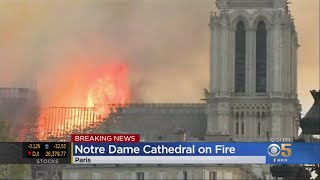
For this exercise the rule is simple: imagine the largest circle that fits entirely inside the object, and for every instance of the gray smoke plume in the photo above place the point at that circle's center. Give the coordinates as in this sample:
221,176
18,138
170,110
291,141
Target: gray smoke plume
164,42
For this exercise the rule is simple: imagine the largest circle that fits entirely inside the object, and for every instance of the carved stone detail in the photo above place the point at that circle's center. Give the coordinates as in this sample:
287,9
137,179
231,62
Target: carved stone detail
280,3
221,20
214,21
278,17
221,4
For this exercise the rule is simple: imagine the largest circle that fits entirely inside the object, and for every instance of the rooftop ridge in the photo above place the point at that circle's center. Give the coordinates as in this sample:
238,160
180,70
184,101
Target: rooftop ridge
166,105
155,105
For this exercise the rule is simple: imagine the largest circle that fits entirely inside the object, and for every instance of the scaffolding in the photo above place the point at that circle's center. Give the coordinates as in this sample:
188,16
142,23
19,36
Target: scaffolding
58,123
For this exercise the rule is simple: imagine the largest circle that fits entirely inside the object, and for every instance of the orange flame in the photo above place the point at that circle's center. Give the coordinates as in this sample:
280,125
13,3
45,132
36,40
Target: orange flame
107,87
110,86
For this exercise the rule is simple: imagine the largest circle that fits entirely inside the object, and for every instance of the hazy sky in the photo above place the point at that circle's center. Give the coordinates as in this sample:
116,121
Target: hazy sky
164,42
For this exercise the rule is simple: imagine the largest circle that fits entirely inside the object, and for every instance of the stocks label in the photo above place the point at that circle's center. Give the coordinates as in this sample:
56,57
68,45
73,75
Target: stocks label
34,153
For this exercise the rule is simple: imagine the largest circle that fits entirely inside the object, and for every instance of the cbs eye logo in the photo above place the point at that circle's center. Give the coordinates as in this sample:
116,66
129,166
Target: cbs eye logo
274,150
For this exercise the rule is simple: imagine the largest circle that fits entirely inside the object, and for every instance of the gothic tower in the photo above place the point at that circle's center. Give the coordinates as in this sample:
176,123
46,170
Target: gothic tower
253,71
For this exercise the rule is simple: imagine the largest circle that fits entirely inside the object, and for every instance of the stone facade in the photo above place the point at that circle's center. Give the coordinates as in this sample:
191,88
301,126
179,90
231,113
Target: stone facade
158,172
260,115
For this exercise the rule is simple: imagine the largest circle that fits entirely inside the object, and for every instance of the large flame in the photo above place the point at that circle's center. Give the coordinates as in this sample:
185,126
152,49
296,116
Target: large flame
105,88
109,87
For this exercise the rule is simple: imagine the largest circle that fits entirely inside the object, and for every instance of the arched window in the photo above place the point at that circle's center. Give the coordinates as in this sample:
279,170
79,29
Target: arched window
240,58
259,123
261,58
237,123
242,123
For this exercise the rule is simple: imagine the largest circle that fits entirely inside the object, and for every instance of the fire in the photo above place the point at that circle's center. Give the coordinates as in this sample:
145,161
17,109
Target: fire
105,88
109,88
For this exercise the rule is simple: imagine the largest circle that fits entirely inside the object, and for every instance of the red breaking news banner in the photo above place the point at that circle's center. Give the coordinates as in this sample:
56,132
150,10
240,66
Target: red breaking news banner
105,138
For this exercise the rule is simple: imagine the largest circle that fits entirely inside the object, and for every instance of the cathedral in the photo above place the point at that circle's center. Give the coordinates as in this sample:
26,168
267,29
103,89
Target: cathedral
253,81
252,96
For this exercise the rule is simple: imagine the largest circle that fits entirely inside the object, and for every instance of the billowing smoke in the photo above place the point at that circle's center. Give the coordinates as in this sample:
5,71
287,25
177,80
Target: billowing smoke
164,44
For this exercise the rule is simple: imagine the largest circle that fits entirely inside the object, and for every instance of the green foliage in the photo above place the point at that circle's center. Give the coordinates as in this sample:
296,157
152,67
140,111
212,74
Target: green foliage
4,132
15,171
12,171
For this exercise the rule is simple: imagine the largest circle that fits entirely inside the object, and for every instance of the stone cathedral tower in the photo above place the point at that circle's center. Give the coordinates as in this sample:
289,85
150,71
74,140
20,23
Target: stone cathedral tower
253,72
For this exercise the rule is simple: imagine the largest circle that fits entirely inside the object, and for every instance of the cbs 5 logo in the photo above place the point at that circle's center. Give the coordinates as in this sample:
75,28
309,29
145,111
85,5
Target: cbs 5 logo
274,150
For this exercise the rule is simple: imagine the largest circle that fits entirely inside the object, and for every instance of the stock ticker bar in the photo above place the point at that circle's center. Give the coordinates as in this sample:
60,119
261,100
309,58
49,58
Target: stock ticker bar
53,152
46,150
35,152
127,149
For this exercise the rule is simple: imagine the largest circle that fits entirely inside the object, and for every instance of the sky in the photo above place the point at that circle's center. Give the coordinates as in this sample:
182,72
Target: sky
165,45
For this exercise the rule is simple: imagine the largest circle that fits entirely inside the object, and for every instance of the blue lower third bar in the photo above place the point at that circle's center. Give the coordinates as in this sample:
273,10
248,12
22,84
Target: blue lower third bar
196,153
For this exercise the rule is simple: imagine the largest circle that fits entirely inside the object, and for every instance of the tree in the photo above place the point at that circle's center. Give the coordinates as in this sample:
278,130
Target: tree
4,131
15,171
12,171
303,173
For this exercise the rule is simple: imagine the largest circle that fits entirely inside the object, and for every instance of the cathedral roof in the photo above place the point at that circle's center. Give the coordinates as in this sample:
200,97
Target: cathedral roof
160,121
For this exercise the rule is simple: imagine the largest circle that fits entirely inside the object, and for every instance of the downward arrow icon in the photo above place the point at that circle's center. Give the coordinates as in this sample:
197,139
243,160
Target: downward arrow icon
29,153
